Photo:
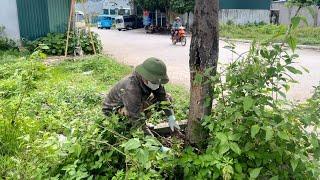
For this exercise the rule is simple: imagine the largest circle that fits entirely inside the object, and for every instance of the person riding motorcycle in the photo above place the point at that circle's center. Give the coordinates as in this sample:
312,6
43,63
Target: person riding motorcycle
175,26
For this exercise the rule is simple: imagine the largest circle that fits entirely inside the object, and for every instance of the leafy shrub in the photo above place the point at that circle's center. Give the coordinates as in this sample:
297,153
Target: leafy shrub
57,43
254,132
61,132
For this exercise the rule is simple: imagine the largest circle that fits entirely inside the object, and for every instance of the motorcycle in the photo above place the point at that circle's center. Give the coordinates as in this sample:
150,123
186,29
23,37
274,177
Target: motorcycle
179,36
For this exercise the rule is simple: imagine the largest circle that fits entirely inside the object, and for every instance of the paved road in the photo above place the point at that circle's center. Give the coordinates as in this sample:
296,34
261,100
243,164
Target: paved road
134,46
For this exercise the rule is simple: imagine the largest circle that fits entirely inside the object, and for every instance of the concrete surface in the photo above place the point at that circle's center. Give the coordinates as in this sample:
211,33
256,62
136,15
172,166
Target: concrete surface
9,18
134,46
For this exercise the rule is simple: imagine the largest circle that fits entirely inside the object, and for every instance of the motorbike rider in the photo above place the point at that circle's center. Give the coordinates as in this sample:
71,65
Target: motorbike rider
175,26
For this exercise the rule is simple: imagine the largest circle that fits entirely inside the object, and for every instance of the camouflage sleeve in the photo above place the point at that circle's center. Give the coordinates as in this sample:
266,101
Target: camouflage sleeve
161,95
132,103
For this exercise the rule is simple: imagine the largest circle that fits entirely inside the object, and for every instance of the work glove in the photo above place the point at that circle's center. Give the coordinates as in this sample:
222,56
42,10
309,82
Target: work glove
172,123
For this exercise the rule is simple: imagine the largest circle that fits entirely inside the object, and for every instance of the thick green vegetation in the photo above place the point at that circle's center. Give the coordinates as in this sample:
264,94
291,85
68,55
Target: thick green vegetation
40,106
261,32
52,125
56,43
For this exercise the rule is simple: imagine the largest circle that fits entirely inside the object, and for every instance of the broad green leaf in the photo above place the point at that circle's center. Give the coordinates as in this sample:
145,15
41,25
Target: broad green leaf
269,133
223,148
295,21
76,148
254,130
294,164
292,42
131,144
293,70
247,103
235,148
222,137
254,173
248,146
314,142
238,168
274,178
283,135
142,156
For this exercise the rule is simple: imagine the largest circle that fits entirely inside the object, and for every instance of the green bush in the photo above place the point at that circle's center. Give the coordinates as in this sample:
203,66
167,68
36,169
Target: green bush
57,43
66,100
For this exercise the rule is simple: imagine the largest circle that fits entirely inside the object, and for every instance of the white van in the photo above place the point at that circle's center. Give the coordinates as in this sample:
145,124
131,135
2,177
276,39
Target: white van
126,22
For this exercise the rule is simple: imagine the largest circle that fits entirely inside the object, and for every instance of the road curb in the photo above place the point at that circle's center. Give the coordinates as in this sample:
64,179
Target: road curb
317,48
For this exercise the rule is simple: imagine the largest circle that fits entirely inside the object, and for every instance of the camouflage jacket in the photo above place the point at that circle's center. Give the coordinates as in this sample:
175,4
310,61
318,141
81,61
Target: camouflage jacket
131,93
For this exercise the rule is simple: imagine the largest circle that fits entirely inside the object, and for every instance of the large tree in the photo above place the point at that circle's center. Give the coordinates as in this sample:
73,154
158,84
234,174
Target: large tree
203,63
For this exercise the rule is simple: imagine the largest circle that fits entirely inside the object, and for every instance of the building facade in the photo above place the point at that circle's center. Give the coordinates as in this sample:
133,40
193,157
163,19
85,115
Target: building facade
31,19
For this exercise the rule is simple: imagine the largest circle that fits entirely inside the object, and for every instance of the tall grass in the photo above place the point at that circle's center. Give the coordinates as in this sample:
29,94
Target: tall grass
305,35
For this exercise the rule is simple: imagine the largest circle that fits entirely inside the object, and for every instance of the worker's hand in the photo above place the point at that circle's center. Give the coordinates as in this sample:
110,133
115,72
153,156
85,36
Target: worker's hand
172,123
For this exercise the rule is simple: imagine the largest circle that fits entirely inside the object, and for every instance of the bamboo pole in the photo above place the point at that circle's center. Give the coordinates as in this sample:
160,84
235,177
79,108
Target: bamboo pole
69,24
87,22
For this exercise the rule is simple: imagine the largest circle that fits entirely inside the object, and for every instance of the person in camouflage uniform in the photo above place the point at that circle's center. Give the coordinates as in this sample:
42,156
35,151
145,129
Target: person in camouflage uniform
134,94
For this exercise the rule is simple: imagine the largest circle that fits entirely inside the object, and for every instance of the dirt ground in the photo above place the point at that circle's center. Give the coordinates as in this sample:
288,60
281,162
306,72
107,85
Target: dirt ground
134,46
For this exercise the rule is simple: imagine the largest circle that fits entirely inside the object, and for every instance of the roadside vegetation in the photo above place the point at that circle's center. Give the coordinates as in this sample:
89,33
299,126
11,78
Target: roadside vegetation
52,125
56,43
263,32
51,121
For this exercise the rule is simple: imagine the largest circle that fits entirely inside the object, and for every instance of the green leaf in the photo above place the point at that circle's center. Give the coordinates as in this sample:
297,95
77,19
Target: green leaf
269,133
294,164
254,130
131,144
235,148
254,173
222,137
76,148
274,178
223,148
314,142
283,135
293,70
142,156
295,21
238,168
247,103
292,42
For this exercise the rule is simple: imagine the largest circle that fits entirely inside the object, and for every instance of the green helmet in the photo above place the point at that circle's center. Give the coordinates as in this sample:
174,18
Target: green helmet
153,70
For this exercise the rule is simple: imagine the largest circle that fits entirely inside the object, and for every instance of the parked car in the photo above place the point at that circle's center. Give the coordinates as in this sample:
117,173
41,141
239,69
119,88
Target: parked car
104,21
126,22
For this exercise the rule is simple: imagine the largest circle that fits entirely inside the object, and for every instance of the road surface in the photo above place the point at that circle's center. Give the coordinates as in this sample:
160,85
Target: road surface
134,46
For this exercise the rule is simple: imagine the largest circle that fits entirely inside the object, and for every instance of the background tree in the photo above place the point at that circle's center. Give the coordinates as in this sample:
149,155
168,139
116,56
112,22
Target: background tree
203,63
182,6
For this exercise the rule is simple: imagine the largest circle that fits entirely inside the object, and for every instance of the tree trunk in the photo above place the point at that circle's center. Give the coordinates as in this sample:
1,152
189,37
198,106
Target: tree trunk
203,55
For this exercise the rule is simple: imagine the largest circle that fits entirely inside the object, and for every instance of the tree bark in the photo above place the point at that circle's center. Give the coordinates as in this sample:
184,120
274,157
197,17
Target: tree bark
203,55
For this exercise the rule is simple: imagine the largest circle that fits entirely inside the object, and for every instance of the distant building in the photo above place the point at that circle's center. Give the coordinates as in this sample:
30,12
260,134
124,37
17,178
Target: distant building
117,7
31,19
244,11
237,11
